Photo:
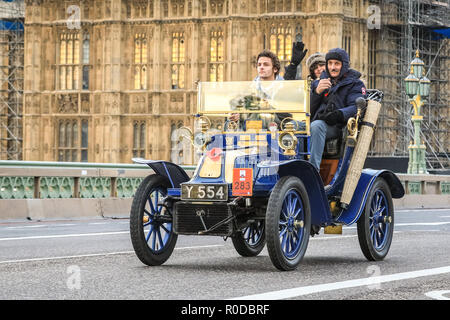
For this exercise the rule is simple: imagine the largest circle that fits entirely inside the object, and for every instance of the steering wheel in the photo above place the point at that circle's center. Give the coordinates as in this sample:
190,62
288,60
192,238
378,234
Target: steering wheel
232,125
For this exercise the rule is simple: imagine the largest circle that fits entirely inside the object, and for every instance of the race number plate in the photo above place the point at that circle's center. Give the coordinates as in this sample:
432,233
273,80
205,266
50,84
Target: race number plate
242,182
204,192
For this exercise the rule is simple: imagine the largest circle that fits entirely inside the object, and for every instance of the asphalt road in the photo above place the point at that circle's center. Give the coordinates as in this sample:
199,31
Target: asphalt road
94,259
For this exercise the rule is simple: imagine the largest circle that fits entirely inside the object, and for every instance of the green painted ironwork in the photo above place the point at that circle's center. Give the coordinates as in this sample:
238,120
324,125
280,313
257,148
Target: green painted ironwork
70,187
445,188
95,187
16,187
126,187
56,187
414,187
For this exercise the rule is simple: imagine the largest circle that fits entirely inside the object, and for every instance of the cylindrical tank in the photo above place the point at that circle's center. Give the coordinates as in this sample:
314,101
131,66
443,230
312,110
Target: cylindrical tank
360,153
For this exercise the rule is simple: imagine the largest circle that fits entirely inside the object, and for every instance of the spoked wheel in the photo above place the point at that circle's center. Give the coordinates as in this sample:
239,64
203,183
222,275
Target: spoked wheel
288,223
376,224
251,241
151,223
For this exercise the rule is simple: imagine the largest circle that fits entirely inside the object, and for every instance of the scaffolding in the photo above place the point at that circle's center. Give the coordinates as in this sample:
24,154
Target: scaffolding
11,78
405,27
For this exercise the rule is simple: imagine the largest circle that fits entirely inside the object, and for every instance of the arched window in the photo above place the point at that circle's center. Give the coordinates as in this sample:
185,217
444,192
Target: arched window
139,130
178,60
281,43
72,142
140,61
216,58
69,61
85,61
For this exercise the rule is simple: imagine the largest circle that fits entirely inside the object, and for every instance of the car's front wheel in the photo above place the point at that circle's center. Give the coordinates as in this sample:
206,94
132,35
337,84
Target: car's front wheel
288,223
151,223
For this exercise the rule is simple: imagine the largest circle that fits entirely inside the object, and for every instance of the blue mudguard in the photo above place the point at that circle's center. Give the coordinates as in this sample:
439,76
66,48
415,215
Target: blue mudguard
368,177
171,171
320,210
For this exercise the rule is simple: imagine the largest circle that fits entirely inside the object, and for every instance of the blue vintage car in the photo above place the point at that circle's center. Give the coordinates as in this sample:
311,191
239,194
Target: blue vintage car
253,182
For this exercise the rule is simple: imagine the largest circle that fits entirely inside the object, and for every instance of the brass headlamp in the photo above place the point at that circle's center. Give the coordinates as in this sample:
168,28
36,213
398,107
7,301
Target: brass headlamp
352,124
200,138
287,139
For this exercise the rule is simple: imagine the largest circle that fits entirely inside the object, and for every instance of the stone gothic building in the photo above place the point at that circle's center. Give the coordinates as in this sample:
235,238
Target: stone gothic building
106,80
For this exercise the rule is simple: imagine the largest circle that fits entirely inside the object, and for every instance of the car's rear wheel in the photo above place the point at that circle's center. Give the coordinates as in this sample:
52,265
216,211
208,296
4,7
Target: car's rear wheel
251,241
288,223
151,223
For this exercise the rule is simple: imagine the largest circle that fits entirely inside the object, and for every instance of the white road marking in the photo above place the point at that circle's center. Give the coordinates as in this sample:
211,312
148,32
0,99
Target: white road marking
332,237
301,291
39,226
422,224
441,223
65,257
26,227
66,236
421,210
325,237
99,254
438,295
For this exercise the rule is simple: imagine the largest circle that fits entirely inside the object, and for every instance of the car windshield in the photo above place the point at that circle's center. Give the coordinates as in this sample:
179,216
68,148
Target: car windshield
253,96
269,101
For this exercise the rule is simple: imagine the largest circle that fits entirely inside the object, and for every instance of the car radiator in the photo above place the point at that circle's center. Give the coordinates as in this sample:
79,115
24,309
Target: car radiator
188,218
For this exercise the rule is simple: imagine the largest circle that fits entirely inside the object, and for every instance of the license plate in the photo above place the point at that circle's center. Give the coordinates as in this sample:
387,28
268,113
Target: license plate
204,192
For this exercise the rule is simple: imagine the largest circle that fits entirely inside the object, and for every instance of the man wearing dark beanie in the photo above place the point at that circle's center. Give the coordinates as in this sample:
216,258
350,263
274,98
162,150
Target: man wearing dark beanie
333,98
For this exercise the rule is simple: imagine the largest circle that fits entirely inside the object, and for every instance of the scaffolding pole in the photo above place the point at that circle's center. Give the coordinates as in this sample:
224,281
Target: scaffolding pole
11,78
406,27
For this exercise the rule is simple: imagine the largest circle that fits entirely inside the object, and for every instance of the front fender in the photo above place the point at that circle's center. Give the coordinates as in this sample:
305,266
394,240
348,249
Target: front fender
320,210
368,177
171,171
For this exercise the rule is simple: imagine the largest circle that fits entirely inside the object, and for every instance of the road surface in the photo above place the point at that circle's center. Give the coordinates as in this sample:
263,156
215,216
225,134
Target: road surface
94,259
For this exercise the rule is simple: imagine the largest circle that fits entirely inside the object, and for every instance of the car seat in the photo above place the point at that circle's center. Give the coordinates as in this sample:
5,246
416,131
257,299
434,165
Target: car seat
333,152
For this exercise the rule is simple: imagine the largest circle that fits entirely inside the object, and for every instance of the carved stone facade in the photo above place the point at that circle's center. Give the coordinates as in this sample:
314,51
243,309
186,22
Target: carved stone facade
110,89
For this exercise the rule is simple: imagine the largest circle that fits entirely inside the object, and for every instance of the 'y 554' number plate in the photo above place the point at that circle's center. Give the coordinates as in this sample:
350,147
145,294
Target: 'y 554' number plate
204,192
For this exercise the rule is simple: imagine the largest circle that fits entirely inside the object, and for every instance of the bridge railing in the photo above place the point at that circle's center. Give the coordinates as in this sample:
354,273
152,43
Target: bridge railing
56,180
55,190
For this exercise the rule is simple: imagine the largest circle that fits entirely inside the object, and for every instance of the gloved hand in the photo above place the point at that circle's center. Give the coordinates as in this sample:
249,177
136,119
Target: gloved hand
298,52
334,117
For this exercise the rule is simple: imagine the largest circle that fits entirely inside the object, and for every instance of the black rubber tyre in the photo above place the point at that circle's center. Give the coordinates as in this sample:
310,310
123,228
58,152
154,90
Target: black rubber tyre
154,246
251,241
288,223
376,224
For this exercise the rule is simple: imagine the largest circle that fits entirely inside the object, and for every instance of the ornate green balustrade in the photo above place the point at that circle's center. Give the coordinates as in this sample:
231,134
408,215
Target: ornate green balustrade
53,180
56,187
95,188
445,188
126,187
16,187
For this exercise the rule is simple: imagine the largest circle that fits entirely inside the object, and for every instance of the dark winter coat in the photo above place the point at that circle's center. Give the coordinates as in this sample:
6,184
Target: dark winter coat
342,95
